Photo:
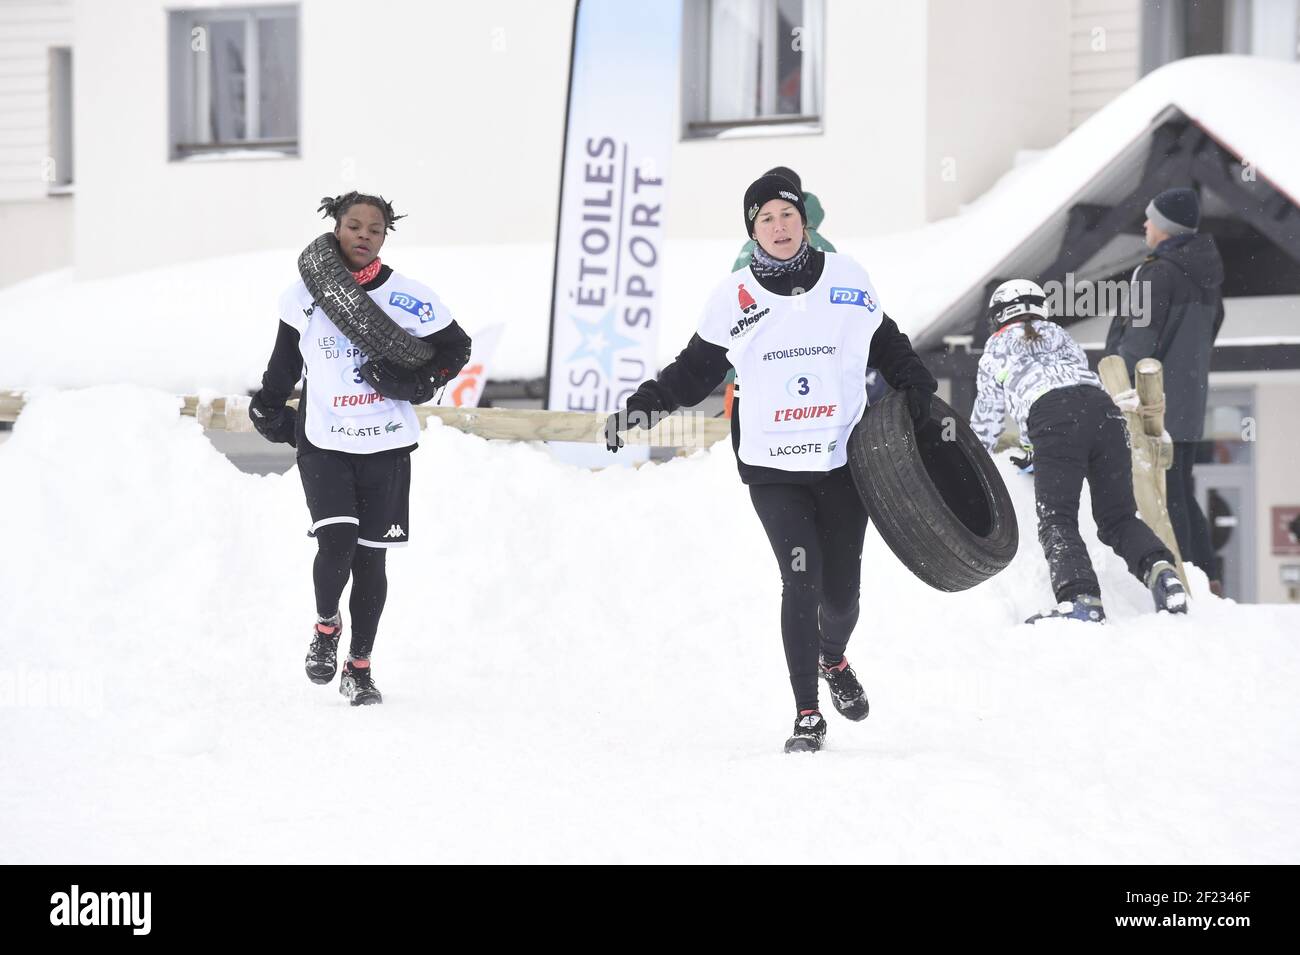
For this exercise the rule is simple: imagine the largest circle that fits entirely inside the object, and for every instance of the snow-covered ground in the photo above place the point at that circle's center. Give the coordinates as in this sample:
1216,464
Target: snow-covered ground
572,674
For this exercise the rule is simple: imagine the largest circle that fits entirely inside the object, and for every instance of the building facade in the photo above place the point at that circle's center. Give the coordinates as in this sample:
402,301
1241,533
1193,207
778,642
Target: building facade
188,111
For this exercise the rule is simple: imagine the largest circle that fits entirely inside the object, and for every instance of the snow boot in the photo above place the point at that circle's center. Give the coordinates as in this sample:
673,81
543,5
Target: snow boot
322,655
358,685
809,732
1166,589
846,692
1085,607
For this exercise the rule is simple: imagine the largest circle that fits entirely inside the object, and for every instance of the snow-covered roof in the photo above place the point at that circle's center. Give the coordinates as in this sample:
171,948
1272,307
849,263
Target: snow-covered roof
1247,104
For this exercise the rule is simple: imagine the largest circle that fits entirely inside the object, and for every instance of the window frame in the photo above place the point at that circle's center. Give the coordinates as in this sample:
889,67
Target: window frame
697,52
62,116
189,73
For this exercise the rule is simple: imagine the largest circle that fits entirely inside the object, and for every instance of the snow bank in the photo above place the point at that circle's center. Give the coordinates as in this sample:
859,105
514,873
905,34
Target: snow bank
581,666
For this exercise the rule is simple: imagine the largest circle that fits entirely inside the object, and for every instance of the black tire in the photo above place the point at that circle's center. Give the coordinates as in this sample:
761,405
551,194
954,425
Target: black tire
331,284
941,506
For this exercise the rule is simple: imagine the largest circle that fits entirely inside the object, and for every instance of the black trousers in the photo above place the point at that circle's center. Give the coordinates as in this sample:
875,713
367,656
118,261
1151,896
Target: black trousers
1190,527
816,532
1078,433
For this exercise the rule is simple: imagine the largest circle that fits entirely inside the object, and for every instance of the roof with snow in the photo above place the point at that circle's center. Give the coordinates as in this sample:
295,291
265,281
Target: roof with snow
1223,124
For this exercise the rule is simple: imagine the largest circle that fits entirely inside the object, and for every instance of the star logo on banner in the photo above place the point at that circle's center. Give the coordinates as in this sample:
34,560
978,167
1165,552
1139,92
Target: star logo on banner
600,340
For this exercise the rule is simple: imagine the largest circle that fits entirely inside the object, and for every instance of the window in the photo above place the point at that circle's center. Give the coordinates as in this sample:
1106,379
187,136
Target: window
1172,30
59,165
234,81
750,64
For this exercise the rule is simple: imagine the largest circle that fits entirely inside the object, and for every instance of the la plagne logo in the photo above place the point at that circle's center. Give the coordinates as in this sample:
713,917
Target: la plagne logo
102,908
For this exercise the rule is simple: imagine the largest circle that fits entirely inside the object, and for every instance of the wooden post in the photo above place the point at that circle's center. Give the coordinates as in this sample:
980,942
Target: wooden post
1152,456
11,405
218,420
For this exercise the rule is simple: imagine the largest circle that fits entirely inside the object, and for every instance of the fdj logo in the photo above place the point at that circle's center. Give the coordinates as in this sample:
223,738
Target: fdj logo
409,303
853,296
801,386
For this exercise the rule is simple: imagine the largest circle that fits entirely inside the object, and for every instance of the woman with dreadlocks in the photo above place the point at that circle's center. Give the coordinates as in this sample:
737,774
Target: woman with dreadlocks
354,432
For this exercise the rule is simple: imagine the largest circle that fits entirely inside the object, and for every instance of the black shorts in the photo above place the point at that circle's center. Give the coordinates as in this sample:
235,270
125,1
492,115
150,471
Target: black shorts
372,491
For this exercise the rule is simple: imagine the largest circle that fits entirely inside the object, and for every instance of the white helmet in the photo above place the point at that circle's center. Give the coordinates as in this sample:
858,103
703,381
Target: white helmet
1015,298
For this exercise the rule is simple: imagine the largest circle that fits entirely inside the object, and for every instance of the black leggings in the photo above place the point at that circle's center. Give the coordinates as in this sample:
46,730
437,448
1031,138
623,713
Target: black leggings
816,533
1185,514
1078,433
338,556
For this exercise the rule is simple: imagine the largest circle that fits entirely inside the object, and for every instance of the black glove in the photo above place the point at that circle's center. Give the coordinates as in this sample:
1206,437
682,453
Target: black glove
1025,464
400,384
277,425
637,414
918,402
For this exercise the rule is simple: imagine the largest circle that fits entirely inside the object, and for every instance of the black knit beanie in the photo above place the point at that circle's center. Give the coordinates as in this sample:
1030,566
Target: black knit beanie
763,190
785,172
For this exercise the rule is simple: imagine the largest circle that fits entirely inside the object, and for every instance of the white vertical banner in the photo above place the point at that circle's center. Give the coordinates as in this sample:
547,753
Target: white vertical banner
607,293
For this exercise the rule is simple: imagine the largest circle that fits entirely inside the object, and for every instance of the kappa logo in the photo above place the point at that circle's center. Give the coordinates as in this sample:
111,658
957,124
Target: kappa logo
853,296
102,908
395,531
409,303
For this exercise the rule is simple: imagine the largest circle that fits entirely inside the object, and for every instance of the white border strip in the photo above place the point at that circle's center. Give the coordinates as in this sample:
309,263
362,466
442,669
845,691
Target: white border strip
383,545
333,520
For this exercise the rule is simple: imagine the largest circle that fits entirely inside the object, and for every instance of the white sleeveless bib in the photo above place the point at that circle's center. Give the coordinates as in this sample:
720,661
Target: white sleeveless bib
344,413
802,360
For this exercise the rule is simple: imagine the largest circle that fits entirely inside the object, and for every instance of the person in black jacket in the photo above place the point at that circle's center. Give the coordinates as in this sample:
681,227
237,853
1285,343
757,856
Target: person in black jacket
1178,312
354,432
801,327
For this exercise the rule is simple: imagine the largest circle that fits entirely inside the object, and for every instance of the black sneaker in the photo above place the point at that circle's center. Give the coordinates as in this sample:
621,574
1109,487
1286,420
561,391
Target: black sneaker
809,732
1166,589
359,686
322,655
846,692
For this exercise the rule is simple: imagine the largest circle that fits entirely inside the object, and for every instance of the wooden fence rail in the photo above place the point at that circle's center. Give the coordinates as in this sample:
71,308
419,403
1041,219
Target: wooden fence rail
682,430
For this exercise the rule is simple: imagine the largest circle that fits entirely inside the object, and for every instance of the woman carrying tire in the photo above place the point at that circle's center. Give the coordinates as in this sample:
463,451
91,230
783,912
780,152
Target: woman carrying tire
1072,430
800,327
354,432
